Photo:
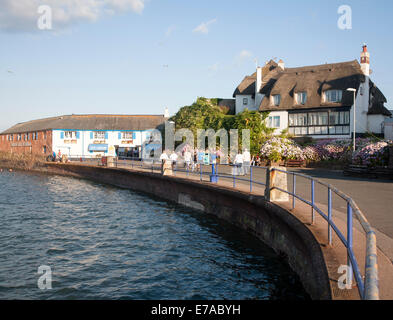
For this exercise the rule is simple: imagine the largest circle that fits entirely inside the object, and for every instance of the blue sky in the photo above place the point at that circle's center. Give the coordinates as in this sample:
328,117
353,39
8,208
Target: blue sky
158,53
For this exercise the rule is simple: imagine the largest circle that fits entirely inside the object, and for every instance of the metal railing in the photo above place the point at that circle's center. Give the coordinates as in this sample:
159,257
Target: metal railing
368,288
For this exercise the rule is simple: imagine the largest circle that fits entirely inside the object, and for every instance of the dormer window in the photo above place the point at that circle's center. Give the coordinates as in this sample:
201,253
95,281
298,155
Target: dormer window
301,98
245,101
333,95
277,99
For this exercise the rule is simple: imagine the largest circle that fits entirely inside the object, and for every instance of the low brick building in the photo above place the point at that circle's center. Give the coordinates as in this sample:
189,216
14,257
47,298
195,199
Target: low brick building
80,135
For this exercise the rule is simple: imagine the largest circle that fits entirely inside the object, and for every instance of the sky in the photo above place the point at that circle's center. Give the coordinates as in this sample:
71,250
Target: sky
140,56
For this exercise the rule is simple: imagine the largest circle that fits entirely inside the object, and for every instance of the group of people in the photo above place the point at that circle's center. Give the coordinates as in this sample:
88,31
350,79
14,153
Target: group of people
193,158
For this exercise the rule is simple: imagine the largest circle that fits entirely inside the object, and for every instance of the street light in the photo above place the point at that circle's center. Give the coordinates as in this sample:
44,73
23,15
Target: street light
354,117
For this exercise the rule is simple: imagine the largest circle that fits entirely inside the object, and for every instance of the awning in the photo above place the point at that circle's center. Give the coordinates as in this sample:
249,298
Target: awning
98,147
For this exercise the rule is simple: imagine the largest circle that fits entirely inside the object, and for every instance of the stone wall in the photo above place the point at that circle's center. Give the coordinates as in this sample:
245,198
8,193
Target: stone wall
270,223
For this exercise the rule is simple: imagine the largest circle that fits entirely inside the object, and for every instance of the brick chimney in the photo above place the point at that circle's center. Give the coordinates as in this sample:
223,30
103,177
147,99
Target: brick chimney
365,61
281,64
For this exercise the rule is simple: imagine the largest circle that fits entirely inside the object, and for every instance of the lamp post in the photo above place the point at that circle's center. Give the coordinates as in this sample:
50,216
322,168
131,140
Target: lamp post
354,117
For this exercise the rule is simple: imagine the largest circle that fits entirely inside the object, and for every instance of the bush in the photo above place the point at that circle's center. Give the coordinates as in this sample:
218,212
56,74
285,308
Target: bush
375,154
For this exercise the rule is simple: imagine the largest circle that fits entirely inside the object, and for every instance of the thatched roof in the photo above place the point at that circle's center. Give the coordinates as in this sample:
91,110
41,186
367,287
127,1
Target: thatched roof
247,86
90,122
311,79
228,103
377,101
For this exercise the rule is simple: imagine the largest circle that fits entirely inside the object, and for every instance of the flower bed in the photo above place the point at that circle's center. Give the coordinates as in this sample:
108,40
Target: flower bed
368,152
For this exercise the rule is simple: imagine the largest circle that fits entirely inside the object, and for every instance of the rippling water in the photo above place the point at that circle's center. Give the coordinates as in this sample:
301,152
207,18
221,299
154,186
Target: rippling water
108,243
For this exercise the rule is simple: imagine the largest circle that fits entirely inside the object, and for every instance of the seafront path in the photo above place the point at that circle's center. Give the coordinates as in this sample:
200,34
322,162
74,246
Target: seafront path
374,198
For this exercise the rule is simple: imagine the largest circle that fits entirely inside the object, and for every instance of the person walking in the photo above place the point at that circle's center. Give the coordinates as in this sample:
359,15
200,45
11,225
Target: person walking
188,159
246,161
173,159
163,158
239,164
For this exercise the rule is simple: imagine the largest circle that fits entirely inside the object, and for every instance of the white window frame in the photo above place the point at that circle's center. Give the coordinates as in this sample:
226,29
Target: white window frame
69,134
275,102
99,135
127,135
272,122
301,97
328,96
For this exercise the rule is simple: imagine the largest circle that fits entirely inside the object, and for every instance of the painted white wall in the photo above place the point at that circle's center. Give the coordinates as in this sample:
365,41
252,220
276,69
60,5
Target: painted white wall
283,120
240,107
81,147
362,104
388,130
375,123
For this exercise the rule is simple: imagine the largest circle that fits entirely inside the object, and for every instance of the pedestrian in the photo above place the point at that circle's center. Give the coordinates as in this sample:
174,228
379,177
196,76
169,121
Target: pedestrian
246,161
188,159
239,164
173,159
163,158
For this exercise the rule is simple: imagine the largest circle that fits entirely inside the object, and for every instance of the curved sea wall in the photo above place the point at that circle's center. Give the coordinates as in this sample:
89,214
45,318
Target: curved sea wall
272,224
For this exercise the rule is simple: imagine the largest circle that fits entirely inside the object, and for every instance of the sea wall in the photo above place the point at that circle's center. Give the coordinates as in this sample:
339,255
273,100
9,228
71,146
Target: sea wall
272,224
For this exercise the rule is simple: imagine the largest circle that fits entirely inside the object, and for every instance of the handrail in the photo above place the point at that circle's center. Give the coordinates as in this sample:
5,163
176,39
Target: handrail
369,288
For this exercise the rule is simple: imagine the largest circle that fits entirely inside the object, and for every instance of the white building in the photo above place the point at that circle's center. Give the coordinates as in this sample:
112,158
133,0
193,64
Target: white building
87,136
314,101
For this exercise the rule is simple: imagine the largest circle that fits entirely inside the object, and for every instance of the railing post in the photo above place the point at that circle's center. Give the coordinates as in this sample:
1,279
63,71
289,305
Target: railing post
330,216
250,179
349,241
371,291
269,183
312,201
294,192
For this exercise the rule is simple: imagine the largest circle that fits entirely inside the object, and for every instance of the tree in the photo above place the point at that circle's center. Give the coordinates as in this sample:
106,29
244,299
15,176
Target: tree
206,114
255,122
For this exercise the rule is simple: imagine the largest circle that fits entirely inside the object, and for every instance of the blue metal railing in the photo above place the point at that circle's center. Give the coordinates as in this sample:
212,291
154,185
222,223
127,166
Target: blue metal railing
368,289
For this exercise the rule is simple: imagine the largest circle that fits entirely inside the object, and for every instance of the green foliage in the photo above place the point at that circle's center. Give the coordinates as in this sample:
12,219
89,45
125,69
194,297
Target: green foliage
205,114
275,156
255,122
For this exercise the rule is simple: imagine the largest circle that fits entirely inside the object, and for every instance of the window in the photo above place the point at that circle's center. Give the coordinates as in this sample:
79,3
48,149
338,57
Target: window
301,98
329,122
245,101
127,135
19,138
34,136
99,135
10,137
277,99
274,122
44,149
333,95
69,135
